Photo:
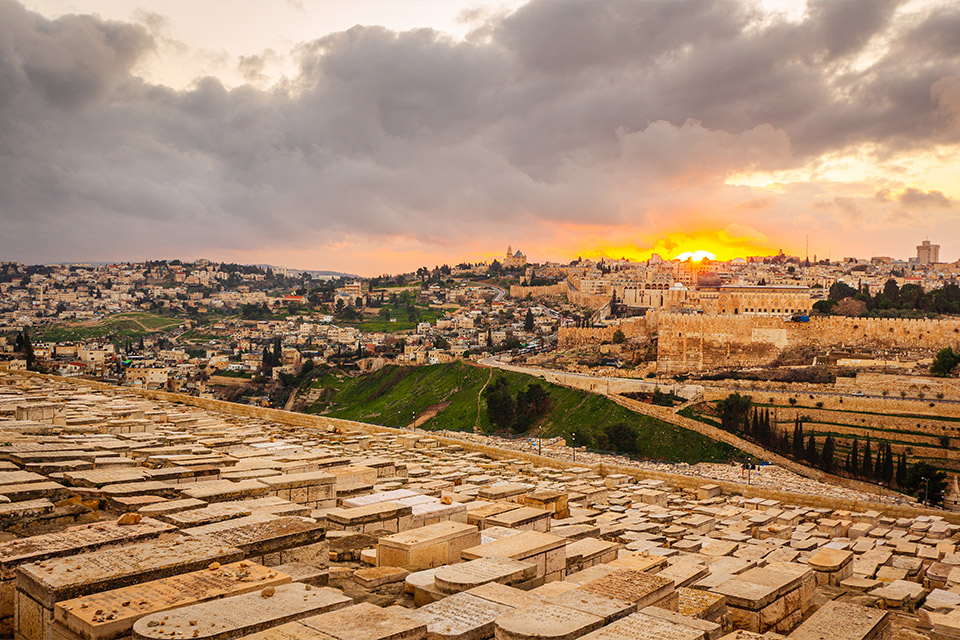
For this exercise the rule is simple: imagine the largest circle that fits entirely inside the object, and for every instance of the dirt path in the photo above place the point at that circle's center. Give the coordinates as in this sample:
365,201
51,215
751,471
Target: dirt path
476,424
428,414
288,405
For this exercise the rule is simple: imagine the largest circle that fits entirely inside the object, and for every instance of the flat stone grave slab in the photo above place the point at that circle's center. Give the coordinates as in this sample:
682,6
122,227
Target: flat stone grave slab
241,615
369,622
637,587
35,490
510,596
73,541
383,496
460,617
221,511
290,631
545,622
899,593
111,614
57,579
844,621
608,608
170,507
522,545
369,516
11,511
20,477
643,626
271,536
372,577
479,511
429,546
527,518
467,575
96,478
225,490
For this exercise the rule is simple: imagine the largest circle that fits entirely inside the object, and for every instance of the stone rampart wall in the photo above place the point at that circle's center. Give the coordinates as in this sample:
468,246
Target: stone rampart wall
699,342
520,291
574,338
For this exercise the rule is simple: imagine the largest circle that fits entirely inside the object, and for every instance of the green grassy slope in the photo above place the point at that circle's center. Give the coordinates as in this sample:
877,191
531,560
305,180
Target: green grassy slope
394,394
121,326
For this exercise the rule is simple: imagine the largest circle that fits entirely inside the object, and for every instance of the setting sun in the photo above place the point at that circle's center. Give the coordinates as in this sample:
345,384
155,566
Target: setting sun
696,256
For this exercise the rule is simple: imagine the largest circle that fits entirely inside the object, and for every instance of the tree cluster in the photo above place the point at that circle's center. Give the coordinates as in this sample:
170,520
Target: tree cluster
921,480
271,358
23,346
516,412
945,362
891,301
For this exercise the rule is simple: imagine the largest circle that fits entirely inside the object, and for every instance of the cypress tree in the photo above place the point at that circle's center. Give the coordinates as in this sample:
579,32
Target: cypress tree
277,352
887,470
811,451
826,456
853,465
901,469
27,349
878,463
866,468
798,440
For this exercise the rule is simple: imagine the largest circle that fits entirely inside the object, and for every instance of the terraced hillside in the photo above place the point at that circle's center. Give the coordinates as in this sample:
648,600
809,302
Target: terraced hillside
927,437
445,396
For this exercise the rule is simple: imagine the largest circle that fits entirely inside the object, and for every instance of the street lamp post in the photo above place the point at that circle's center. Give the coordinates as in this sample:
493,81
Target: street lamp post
539,439
573,436
880,492
926,485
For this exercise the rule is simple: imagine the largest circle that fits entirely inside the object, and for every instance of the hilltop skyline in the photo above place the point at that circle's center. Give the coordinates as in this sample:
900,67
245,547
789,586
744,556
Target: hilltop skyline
290,136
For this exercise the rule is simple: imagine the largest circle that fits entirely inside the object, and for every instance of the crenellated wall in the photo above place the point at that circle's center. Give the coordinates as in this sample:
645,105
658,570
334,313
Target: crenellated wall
520,291
573,338
703,342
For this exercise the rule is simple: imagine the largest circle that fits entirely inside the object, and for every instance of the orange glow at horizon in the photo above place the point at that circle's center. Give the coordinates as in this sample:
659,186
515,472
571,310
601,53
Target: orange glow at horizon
724,244
696,256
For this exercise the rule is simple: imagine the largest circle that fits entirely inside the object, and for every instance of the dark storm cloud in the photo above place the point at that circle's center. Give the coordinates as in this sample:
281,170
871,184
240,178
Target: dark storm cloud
585,111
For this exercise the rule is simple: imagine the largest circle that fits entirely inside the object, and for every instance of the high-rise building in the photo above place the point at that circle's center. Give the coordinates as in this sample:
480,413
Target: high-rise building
928,253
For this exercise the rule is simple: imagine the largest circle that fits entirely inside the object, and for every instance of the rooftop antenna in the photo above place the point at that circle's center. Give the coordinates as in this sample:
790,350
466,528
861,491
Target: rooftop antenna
808,248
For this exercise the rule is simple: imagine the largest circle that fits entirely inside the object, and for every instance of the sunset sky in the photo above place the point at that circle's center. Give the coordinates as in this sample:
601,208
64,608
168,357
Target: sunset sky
375,136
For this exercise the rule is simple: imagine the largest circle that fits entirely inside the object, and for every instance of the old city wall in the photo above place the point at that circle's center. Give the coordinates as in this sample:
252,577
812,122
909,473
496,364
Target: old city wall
520,291
588,300
699,342
575,338
682,481
603,385
579,298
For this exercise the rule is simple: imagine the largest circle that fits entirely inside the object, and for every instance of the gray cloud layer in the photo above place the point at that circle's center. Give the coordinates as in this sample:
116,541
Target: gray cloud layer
604,112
